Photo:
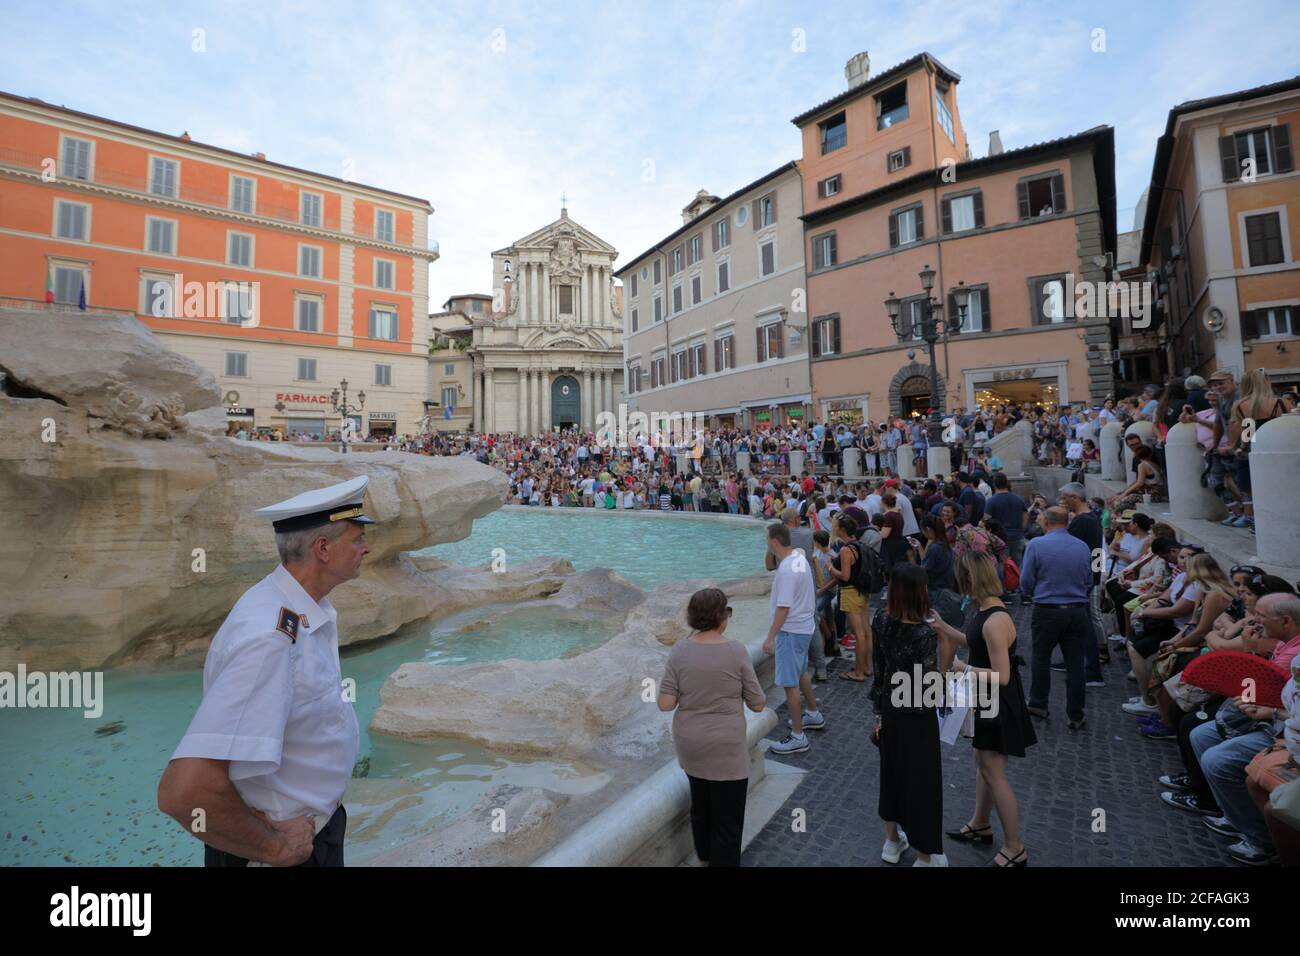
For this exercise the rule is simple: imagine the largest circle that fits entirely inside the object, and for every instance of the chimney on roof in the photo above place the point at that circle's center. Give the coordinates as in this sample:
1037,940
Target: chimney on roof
186,136
857,69
702,203
261,156
995,144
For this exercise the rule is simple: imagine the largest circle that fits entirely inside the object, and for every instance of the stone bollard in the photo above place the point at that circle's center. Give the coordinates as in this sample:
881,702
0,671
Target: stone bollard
1109,445
1274,465
1183,466
1145,431
852,466
904,455
797,459
1026,431
742,462
938,461
683,463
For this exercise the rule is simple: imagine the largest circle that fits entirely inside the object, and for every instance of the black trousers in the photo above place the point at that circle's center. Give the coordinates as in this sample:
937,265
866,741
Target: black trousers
1186,724
717,819
1070,626
327,848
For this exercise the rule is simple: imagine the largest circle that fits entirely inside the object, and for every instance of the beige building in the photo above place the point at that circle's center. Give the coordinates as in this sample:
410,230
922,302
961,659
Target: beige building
549,355
451,367
716,317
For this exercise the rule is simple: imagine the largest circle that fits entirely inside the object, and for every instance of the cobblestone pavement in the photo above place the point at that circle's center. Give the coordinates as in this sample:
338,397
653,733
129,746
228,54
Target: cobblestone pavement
1059,784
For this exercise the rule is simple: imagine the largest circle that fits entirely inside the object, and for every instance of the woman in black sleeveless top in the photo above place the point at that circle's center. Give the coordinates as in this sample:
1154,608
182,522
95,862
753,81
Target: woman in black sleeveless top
1001,730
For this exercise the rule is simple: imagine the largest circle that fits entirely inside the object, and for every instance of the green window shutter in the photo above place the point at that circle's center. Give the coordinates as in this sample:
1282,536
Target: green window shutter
945,215
979,210
1281,139
1022,194
1058,193
984,309
1228,159
893,230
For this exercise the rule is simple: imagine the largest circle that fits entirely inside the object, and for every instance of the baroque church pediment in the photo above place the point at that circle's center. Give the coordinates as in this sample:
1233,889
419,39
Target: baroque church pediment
567,236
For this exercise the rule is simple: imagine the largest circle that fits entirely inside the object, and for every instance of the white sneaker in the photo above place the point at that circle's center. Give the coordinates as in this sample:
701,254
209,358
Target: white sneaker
1118,639
790,744
936,859
893,850
1141,708
1135,700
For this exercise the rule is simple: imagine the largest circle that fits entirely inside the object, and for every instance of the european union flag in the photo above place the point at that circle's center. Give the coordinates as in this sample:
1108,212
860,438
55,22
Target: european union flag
448,412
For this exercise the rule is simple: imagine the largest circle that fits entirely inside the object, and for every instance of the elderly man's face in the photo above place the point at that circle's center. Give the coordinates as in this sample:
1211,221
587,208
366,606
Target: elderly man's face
1275,626
346,552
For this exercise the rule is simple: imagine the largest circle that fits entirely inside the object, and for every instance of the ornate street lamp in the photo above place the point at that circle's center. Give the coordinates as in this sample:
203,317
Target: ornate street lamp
932,326
342,407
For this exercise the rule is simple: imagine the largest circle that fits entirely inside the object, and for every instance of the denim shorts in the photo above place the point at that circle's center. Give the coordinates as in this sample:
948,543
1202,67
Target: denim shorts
791,657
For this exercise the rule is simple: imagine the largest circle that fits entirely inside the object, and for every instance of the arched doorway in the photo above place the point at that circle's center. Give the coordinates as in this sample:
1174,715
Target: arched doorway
566,402
914,395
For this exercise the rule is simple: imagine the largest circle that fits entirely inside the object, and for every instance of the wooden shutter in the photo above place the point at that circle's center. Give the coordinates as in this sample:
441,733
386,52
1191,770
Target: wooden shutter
759,354
984,309
1249,325
714,231
1228,159
1022,193
691,370
815,346
1292,325
893,230
1058,193
979,210
920,223
817,253
704,360
1036,302
1281,140
835,252
773,195
755,216
717,354
952,305
780,341
835,334
907,155
945,214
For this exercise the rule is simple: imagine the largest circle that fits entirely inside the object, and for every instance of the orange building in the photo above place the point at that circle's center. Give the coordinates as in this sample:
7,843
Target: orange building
279,281
1221,234
890,188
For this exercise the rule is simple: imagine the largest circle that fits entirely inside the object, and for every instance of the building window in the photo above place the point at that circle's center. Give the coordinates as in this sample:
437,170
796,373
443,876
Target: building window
308,315
1255,145
834,133
826,336
634,319
632,284
891,106
696,249
677,299
309,261
306,370
829,187
383,225
722,233
566,300
766,211
724,277
677,261
241,193
632,376
699,364
311,208
911,315
383,324
906,225
383,375
1041,196
824,251
71,220
160,235
679,366
659,309
1048,300
945,117
383,274
898,159
697,289
977,309
1264,240
69,281
449,395
237,302
771,344
1278,320
960,213
658,272
449,369
1268,148
767,258
724,353
159,297
76,158
162,176
237,364
657,372
240,250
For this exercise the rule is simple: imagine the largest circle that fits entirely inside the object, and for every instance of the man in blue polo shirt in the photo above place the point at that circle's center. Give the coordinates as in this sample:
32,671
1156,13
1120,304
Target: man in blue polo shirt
1057,575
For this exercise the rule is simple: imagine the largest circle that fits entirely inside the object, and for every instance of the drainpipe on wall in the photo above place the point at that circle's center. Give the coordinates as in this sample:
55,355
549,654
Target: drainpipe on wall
933,91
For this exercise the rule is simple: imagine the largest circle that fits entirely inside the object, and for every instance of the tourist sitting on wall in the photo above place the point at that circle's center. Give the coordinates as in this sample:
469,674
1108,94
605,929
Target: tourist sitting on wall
707,682
1148,574
1157,619
1148,481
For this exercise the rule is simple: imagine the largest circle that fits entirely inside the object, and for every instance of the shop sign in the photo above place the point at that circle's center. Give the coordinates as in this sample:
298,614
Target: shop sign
762,416
235,412
383,416
299,398
795,412
1010,375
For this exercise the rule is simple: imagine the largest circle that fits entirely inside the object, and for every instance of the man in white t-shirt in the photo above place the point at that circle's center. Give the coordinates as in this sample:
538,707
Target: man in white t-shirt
873,506
794,627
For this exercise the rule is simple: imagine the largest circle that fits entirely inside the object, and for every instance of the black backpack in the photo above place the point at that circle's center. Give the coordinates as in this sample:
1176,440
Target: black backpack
868,570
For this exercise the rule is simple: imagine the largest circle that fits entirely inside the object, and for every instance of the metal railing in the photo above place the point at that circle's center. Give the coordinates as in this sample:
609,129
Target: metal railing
40,305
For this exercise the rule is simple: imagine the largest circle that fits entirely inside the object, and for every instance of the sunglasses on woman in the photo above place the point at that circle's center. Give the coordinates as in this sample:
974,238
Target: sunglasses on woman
1245,569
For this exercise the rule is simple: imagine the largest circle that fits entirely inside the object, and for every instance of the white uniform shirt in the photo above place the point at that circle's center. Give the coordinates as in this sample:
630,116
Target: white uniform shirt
274,707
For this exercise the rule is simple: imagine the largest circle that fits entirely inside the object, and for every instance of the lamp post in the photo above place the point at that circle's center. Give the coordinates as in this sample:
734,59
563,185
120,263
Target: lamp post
932,325
342,407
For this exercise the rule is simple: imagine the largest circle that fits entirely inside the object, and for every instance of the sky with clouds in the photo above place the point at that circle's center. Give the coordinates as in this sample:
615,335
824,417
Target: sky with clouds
492,111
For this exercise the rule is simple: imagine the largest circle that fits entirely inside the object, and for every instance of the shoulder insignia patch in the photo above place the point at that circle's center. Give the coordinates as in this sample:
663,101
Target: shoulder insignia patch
288,624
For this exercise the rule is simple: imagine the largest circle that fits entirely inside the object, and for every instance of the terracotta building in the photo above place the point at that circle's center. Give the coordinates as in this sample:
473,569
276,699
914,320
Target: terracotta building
280,281
889,188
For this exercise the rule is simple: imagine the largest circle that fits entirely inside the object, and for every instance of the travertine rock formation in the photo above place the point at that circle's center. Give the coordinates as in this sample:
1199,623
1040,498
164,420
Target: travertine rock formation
120,547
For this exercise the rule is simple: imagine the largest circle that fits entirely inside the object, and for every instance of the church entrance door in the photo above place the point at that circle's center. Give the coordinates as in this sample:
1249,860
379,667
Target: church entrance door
566,404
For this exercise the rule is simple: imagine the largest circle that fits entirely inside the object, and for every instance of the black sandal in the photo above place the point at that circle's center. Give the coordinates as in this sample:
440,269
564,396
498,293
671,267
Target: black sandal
969,834
1020,859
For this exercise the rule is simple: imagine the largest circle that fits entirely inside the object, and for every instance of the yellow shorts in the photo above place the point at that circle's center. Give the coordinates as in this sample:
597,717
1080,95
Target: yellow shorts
852,601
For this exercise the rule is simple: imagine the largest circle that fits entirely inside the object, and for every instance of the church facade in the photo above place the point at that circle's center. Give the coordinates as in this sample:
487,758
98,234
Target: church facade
550,354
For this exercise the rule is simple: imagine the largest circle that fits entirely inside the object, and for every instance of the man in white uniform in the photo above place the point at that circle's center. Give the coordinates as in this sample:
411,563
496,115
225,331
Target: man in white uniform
260,773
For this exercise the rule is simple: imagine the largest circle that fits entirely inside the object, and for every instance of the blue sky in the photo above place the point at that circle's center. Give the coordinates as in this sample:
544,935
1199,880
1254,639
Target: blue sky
491,111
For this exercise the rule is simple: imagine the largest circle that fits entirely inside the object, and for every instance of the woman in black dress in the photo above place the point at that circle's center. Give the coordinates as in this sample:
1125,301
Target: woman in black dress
911,778
991,640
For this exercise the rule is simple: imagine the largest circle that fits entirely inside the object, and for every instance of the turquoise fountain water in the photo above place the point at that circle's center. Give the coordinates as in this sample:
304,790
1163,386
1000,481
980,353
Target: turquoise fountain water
74,796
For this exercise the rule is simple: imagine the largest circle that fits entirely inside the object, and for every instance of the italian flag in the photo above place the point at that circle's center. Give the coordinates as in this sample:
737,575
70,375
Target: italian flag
49,283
